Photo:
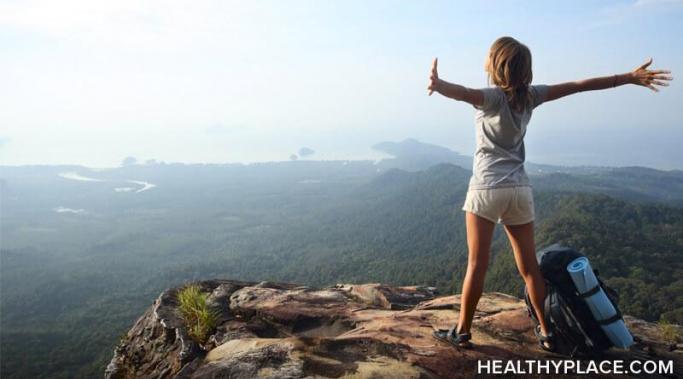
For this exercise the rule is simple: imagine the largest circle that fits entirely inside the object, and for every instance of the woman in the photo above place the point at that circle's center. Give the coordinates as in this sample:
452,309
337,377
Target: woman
499,190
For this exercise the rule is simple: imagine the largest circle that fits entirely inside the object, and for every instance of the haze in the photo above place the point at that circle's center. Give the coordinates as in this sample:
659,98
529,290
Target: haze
89,82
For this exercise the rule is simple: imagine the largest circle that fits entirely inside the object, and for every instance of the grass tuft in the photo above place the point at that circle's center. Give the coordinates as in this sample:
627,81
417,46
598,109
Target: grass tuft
199,318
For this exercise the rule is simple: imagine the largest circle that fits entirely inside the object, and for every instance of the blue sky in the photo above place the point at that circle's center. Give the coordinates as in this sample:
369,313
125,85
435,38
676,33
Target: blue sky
88,82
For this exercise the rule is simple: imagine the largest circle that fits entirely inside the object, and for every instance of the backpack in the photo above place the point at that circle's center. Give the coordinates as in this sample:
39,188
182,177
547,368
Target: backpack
575,329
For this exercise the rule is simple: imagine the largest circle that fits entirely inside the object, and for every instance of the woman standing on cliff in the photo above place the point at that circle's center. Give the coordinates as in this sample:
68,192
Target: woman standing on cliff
499,190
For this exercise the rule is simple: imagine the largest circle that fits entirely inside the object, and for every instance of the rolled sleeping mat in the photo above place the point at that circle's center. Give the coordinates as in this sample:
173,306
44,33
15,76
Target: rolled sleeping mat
599,304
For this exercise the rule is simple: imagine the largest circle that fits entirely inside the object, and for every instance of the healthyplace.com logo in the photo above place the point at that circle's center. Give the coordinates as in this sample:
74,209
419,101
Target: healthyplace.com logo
576,367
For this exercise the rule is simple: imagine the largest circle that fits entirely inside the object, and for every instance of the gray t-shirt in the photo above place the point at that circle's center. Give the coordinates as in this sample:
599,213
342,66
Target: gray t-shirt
499,156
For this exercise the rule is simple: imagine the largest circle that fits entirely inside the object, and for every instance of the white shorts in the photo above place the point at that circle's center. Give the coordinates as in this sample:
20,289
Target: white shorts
505,205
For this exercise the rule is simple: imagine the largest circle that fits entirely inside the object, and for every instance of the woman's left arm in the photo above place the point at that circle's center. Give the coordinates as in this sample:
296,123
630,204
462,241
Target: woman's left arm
452,90
640,76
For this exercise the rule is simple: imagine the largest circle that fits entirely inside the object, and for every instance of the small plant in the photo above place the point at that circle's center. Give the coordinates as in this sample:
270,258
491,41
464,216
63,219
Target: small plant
199,318
668,332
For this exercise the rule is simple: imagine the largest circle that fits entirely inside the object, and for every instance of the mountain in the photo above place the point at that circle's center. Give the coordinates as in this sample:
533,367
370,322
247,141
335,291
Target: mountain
82,256
633,183
638,184
411,154
279,330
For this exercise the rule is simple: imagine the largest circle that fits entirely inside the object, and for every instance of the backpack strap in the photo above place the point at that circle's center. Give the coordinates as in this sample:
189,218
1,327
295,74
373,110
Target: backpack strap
591,291
547,316
617,316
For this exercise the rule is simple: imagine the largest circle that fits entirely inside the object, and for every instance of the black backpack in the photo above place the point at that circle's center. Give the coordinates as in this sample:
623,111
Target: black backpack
576,332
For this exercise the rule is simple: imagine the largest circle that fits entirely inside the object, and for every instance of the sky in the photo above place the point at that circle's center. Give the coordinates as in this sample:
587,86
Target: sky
91,82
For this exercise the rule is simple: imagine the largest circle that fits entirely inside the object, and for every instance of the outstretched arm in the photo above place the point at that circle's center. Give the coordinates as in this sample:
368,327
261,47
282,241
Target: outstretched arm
640,76
452,90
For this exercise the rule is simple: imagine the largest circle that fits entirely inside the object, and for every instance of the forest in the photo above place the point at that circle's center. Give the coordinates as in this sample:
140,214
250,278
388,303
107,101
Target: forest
80,261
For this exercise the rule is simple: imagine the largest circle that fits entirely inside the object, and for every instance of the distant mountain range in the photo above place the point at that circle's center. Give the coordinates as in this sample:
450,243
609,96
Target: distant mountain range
411,154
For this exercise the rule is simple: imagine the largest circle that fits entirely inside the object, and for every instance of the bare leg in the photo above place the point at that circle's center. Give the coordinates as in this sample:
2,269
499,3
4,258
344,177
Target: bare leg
522,241
479,235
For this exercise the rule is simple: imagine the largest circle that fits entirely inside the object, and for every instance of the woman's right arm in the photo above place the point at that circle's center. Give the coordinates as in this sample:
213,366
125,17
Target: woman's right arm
452,90
640,76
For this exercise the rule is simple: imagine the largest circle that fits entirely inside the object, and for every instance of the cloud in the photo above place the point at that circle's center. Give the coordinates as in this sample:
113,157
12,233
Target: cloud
73,16
157,25
4,141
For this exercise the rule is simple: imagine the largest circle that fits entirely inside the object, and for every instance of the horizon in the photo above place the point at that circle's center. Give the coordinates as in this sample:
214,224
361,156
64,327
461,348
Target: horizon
382,155
233,82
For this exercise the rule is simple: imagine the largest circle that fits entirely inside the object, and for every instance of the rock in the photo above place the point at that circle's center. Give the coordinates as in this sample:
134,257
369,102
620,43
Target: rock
387,297
280,330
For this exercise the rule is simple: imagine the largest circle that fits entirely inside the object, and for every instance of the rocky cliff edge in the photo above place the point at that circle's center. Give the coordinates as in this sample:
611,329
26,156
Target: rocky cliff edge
278,330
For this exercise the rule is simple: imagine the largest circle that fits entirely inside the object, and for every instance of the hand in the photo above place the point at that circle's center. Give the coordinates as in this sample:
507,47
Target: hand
434,78
649,78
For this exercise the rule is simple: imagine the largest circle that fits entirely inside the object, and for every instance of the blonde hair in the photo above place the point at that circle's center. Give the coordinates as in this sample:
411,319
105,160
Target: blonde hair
509,67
